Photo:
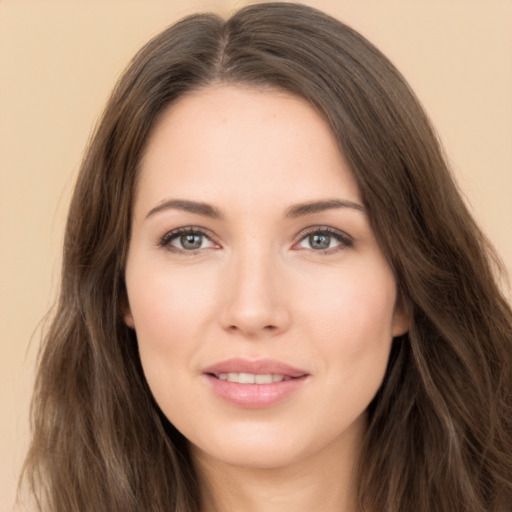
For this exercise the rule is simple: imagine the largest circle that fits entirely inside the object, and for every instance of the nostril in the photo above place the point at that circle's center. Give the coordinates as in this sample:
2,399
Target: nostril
266,328
250,318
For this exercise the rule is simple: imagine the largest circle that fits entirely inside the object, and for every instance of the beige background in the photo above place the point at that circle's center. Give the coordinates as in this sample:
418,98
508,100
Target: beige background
59,60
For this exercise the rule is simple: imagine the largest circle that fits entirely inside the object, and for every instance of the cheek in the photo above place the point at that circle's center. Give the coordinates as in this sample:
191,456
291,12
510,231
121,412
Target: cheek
352,328
351,321
160,297
356,307
170,311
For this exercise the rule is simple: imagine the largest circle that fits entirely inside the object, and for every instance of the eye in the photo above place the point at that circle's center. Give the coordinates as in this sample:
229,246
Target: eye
324,239
186,240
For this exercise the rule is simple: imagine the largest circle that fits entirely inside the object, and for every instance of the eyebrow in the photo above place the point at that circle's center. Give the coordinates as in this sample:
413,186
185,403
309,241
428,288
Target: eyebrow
295,211
303,209
187,206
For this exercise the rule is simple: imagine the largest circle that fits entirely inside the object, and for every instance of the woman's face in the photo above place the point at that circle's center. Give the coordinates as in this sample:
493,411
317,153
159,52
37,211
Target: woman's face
263,307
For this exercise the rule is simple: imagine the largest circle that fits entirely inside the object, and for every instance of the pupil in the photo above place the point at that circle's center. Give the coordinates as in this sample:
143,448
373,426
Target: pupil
191,241
320,241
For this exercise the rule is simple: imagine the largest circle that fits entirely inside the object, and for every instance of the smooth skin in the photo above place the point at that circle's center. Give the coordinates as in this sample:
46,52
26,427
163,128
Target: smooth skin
227,259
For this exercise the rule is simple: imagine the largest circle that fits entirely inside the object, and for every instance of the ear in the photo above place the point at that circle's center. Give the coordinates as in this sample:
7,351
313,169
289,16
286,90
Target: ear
126,312
402,319
128,318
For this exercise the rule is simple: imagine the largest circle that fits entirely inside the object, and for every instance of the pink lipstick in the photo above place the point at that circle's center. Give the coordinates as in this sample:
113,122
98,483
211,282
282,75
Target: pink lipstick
254,384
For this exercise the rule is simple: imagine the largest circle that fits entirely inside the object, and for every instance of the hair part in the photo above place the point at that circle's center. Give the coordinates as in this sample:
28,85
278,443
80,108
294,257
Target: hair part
440,427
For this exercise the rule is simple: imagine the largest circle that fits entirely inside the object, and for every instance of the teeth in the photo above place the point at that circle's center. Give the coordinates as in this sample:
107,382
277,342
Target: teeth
251,378
263,379
243,378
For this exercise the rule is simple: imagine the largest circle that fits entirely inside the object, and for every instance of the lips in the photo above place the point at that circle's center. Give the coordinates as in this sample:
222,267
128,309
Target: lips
258,367
254,384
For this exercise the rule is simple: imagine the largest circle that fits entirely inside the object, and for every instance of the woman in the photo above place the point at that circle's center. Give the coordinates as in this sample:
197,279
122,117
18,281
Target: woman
272,293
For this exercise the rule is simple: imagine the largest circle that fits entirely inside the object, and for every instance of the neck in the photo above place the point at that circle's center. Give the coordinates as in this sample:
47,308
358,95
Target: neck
323,481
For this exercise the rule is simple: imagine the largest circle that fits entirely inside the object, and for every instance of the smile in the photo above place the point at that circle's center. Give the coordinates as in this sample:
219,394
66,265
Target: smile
254,384
251,378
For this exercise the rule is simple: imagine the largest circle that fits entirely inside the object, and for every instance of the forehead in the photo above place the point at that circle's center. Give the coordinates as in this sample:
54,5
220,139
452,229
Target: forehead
227,142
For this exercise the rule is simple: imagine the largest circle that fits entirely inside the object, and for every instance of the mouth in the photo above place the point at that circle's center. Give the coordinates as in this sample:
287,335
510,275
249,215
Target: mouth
254,384
258,371
252,378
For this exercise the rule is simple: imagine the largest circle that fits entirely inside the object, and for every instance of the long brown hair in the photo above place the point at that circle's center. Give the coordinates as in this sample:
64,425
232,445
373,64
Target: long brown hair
440,427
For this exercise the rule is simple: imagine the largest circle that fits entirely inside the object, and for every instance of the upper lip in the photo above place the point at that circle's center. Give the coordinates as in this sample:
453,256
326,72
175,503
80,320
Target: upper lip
257,367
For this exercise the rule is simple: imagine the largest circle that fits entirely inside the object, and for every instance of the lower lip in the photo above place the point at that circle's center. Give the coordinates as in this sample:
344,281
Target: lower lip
255,396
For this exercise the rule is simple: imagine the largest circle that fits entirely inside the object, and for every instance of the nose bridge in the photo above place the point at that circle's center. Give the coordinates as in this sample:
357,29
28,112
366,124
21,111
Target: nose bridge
254,304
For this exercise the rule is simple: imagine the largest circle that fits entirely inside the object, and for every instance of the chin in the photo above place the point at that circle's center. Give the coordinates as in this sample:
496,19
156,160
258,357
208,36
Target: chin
251,455
264,446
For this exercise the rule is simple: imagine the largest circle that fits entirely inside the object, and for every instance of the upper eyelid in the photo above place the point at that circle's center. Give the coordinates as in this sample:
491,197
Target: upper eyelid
345,240
172,233
322,228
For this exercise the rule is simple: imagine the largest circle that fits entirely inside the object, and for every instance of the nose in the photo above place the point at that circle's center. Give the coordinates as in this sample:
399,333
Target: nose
254,302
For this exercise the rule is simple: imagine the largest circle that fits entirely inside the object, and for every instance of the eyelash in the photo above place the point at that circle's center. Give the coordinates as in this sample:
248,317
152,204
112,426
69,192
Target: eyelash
165,241
345,240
